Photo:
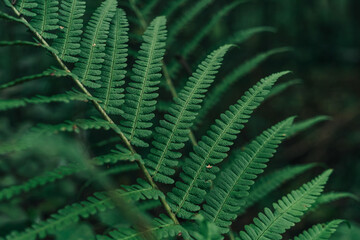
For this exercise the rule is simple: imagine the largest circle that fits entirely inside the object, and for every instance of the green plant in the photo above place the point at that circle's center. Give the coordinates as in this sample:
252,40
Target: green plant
215,184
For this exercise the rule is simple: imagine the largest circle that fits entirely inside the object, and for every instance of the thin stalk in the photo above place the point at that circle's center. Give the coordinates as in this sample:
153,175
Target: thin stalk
101,111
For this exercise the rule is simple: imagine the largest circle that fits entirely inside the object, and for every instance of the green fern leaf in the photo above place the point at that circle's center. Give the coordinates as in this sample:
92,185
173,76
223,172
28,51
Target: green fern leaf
147,10
181,22
282,87
288,210
172,6
228,195
237,38
174,130
24,7
8,17
190,46
41,130
244,34
93,43
99,202
70,24
217,93
43,179
199,169
162,227
46,18
113,71
331,197
140,97
52,72
268,183
306,124
205,230
63,97
119,154
320,231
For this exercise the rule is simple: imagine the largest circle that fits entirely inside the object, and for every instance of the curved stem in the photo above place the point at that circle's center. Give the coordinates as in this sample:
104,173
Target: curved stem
101,111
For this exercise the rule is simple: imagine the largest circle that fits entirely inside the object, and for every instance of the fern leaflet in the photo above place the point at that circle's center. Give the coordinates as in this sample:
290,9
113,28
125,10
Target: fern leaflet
46,18
174,130
320,231
220,90
113,71
24,7
191,45
283,86
268,183
119,154
93,43
186,18
331,197
305,124
140,97
52,72
71,23
228,196
43,179
199,169
162,227
99,202
288,210
63,97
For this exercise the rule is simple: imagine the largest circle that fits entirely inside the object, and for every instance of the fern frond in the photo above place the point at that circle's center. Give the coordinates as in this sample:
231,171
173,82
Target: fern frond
26,7
149,7
52,72
172,6
72,126
320,231
99,202
288,210
331,197
228,195
181,22
282,87
140,97
162,228
46,18
190,46
305,124
174,129
93,43
216,94
45,178
204,229
70,23
19,43
41,130
199,169
268,183
63,97
113,71
9,17
119,154
244,34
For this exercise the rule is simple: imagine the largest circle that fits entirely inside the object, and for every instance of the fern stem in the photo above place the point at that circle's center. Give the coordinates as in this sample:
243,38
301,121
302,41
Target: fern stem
138,14
102,112
165,70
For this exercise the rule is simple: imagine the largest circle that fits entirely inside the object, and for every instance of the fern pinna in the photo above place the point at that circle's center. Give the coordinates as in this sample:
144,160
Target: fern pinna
202,186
